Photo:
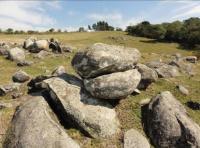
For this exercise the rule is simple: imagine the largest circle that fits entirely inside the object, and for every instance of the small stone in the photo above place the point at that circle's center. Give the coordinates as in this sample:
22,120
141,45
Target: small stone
58,71
183,90
133,139
191,59
144,101
16,95
20,77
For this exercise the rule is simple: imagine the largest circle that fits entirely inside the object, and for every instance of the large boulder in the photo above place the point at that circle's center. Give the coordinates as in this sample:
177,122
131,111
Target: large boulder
20,76
168,124
148,76
42,54
29,43
101,59
113,86
94,117
40,45
3,51
133,139
16,54
34,125
167,71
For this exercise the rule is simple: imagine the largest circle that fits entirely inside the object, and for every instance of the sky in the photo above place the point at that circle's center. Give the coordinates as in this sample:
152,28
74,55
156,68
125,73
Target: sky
72,14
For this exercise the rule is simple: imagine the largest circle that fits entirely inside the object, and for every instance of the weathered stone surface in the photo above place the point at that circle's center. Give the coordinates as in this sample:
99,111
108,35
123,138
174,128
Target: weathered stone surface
94,117
66,48
183,90
34,125
16,54
42,54
113,86
29,43
133,139
55,47
20,76
167,71
4,89
25,63
168,125
183,66
148,76
3,51
101,59
155,64
191,59
59,71
42,44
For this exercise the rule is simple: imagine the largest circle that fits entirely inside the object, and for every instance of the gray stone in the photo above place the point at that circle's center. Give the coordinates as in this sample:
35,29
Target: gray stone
148,76
183,66
16,95
183,90
16,54
29,43
42,54
168,124
191,59
59,71
167,71
25,63
66,48
133,139
155,64
101,59
94,117
20,76
113,86
3,51
42,44
34,125
5,89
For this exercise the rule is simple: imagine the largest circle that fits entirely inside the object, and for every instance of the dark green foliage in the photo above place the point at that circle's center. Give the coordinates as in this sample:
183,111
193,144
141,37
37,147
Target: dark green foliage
9,31
81,29
102,26
186,32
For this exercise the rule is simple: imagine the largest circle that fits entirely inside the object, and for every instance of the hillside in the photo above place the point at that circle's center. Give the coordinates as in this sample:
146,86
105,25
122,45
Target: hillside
129,109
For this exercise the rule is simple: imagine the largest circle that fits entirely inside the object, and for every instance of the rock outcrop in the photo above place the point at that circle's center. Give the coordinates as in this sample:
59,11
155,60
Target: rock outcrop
16,54
168,124
113,86
100,59
148,76
95,117
34,125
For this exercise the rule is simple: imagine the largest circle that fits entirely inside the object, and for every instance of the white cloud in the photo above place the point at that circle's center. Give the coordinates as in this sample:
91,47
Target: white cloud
106,17
71,13
188,12
24,15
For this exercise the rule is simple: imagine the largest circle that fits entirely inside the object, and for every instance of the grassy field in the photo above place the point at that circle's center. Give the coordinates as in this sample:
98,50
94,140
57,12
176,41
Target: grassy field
128,110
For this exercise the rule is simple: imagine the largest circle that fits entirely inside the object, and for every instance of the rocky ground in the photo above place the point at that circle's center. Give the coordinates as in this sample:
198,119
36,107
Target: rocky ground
71,91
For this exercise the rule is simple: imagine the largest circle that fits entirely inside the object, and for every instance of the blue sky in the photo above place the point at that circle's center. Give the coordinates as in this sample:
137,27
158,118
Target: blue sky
70,15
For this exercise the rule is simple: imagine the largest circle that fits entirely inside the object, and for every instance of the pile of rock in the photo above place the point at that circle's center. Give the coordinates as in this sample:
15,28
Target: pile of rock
108,71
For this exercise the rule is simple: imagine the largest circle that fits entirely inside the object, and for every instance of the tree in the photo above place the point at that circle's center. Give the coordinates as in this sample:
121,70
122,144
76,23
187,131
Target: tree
9,31
119,29
89,27
59,30
51,30
157,32
173,31
102,26
81,29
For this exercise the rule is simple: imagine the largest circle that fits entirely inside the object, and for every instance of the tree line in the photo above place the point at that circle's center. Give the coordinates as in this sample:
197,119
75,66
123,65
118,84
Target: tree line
186,32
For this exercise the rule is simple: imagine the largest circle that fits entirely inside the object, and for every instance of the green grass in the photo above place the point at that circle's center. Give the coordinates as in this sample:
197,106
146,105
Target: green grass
128,110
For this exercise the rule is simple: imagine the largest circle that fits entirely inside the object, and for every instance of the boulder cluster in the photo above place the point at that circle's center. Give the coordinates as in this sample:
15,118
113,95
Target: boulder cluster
106,73
42,47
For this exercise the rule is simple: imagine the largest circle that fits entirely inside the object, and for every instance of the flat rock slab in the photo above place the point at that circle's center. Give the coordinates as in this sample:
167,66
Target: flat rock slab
100,59
34,125
113,86
167,71
93,116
